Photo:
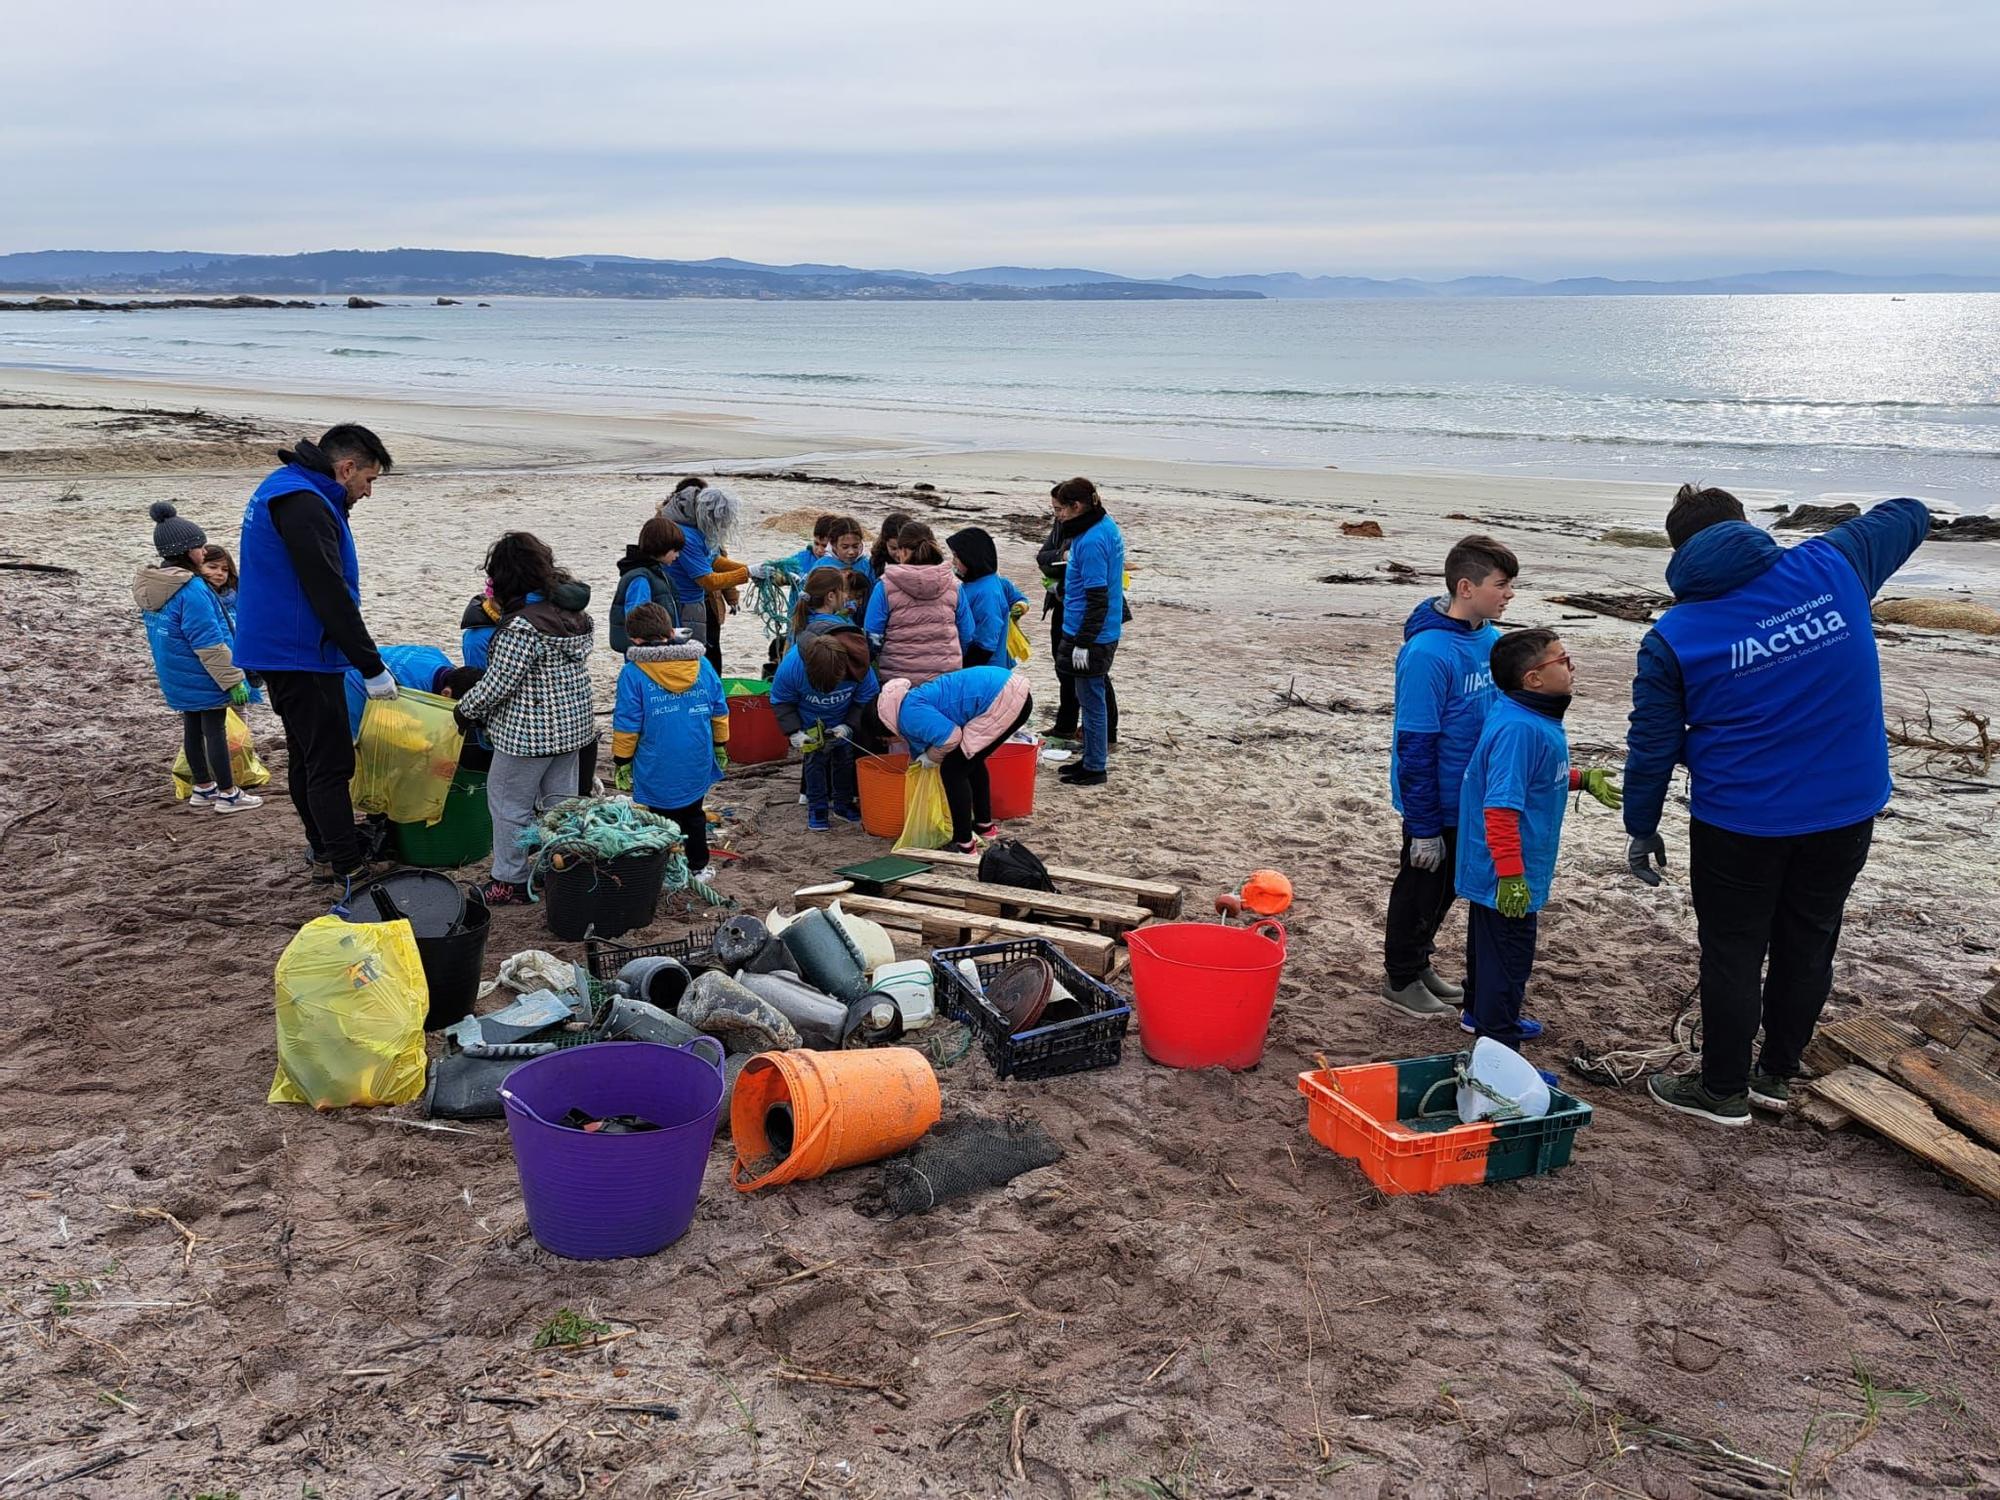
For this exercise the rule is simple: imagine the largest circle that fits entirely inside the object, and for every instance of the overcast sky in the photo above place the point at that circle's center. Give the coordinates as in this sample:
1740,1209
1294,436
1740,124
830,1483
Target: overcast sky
1627,137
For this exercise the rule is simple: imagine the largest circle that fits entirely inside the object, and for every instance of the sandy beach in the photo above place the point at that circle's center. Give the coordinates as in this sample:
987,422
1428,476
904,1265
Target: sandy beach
1197,1301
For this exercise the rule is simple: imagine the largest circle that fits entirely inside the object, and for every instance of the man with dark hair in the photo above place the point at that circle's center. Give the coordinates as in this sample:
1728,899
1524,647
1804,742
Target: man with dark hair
1763,680
1442,692
298,622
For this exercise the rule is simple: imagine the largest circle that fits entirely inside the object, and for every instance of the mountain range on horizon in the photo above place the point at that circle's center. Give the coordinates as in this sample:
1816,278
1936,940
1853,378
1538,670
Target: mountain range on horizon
422,272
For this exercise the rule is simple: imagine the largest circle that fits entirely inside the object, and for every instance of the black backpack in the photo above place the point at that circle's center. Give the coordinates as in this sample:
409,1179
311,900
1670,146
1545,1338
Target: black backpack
1011,862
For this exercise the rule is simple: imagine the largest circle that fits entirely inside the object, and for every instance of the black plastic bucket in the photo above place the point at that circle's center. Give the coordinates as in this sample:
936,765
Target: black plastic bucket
453,964
604,898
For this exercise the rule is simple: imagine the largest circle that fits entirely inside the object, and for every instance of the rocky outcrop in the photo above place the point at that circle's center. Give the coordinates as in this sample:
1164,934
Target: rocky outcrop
1816,517
361,302
90,304
1965,529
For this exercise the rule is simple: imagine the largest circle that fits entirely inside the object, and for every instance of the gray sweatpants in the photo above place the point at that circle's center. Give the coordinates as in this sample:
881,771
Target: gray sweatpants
514,788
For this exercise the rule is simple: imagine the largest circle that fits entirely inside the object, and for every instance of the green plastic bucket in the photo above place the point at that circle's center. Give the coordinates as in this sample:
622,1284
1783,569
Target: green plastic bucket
463,836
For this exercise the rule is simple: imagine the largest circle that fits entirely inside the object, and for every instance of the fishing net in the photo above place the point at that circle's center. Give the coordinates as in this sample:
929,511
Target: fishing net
966,1156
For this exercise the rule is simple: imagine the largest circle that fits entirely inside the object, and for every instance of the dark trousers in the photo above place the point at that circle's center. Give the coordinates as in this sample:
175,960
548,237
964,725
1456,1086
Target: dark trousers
586,765
205,738
1069,706
694,828
967,791
1418,902
1753,897
717,612
1499,958
319,754
830,779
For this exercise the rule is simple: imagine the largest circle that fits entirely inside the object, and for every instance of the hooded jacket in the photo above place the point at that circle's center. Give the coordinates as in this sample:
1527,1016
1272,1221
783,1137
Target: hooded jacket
799,705
475,629
641,580
918,621
419,667
1763,678
670,716
990,597
298,606
535,698
967,711
189,637
1444,686
1519,766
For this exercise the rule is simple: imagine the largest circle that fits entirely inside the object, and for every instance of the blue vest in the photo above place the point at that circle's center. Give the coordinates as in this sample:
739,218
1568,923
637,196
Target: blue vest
276,629
1783,693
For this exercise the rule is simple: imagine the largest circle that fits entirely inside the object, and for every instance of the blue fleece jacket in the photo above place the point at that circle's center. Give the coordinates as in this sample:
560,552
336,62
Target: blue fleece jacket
991,600
277,627
419,667
932,712
799,705
1444,687
1520,763
1763,678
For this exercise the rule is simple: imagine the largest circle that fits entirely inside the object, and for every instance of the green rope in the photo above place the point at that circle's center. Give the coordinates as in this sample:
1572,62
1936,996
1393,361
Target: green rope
1460,1076
769,598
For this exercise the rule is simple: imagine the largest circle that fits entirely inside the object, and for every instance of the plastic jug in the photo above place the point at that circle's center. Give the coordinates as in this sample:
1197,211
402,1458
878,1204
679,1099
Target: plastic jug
911,988
1506,1082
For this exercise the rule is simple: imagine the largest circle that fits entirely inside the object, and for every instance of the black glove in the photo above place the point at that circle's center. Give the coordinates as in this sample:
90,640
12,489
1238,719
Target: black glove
1641,849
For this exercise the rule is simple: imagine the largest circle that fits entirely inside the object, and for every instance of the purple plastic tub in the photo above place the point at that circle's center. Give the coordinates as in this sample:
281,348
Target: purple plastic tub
603,1197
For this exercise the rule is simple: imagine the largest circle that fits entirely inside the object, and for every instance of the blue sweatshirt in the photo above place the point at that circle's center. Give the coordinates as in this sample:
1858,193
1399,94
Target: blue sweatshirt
1444,688
1094,585
799,705
669,717
1522,763
991,600
1763,678
695,563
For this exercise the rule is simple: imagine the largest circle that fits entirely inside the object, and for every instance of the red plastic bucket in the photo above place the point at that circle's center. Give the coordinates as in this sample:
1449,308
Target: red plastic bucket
1011,772
754,735
1204,992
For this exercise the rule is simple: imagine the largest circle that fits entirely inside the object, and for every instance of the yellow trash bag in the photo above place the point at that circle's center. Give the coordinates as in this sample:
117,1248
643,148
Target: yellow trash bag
406,757
243,763
1018,649
926,814
351,1006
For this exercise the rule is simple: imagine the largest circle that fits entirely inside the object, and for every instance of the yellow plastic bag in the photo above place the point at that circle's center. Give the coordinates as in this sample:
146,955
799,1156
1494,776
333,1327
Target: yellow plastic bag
351,1005
243,763
926,814
406,757
1018,649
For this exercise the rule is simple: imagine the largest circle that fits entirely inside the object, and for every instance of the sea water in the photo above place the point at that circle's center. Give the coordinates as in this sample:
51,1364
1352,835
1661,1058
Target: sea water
1810,396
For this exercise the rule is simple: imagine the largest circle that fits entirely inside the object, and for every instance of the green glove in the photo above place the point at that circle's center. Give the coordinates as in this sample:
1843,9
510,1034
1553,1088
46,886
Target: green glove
1600,785
1512,900
722,757
621,779
240,694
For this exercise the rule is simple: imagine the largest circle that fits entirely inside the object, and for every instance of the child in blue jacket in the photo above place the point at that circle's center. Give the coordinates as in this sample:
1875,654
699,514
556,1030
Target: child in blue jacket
1510,816
993,600
821,696
670,728
190,640
1443,691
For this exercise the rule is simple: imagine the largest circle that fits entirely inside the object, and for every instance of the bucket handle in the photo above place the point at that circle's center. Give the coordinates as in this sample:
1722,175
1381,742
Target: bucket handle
798,1148
1273,930
508,1096
692,1049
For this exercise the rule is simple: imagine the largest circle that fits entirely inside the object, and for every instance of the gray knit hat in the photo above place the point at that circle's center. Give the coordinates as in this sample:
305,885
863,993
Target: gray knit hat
173,533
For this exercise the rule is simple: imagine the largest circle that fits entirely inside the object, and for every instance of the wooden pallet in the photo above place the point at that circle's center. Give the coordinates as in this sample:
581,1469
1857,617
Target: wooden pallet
954,926
1161,897
1109,917
1899,1079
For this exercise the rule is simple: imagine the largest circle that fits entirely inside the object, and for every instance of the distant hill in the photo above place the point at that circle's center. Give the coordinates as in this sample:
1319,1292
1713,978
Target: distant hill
1030,276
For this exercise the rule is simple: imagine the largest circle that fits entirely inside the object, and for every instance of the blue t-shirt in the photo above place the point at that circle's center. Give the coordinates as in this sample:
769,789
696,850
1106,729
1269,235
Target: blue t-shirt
1521,762
695,563
1444,687
991,600
674,762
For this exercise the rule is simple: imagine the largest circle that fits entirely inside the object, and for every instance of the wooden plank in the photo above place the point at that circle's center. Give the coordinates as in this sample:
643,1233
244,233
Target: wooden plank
1964,1030
1895,1112
1161,897
1870,1039
1013,900
1969,1095
1821,1112
1091,952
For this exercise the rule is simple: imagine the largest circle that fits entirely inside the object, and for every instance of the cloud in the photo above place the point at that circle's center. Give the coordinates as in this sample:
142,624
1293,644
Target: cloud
1434,137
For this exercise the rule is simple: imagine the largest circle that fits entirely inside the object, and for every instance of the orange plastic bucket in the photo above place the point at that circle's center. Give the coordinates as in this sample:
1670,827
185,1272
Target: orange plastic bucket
1011,770
840,1109
880,778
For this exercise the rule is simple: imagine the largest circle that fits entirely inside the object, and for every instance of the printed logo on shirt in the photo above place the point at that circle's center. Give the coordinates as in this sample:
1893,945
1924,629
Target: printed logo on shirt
1477,682
1798,631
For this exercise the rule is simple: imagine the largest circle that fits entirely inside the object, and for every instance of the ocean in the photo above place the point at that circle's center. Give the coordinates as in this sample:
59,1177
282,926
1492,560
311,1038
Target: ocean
1810,396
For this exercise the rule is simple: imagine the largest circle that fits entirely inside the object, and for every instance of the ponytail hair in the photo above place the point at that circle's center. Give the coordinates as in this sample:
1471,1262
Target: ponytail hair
823,593
921,543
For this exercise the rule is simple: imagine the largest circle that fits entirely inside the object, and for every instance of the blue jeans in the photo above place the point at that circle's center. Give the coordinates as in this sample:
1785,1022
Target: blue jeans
1096,722
830,778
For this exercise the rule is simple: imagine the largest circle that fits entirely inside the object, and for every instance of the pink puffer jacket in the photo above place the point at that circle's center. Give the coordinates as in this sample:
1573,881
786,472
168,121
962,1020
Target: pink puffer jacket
921,639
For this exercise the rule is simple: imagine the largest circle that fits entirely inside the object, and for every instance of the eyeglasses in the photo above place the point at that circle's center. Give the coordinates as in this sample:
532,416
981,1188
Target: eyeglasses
1554,660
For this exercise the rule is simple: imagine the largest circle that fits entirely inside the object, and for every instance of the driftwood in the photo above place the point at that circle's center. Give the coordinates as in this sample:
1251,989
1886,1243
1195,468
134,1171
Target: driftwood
1638,608
1967,746
35,567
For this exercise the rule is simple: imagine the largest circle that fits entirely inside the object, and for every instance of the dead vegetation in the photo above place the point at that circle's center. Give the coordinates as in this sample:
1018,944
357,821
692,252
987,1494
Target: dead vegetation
1964,745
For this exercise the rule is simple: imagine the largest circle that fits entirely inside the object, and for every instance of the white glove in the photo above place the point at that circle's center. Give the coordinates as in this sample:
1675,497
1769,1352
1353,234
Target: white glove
1079,659
380,686
1427,854
841,732
759,572
798,739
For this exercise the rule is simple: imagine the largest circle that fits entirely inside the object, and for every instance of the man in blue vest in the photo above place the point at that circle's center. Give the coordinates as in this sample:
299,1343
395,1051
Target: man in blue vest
298,622
1763,680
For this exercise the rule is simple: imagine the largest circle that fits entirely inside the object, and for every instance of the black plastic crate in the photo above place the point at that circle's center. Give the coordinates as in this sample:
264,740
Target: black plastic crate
1094,1040
605,957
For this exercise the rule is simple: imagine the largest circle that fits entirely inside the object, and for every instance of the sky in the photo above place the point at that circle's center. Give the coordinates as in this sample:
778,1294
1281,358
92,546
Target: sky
1541,139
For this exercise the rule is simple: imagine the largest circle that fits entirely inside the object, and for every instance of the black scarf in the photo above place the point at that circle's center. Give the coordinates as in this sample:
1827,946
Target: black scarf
1548,705
1076,526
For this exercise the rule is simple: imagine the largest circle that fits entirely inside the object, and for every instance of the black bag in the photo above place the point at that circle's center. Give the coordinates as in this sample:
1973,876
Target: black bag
1011,862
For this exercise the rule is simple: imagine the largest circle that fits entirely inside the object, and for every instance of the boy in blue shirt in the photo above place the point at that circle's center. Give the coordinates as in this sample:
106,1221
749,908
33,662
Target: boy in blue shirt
821,696
670,728
1443,689
994,600
1510,815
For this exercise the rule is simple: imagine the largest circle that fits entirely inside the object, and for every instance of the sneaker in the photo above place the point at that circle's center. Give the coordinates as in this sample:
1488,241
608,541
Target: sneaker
970,846
817,821
201,797
1465,1022
236,800
705,874
848,814
1772,1091
319,867
988,831
1686,1095
802,799
1079,776
1438,985
1529,1026
506,893
1549,1077
1414,1000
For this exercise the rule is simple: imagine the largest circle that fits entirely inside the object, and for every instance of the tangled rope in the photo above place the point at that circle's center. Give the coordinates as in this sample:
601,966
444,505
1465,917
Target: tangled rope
600,829
769,598
1623,1065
